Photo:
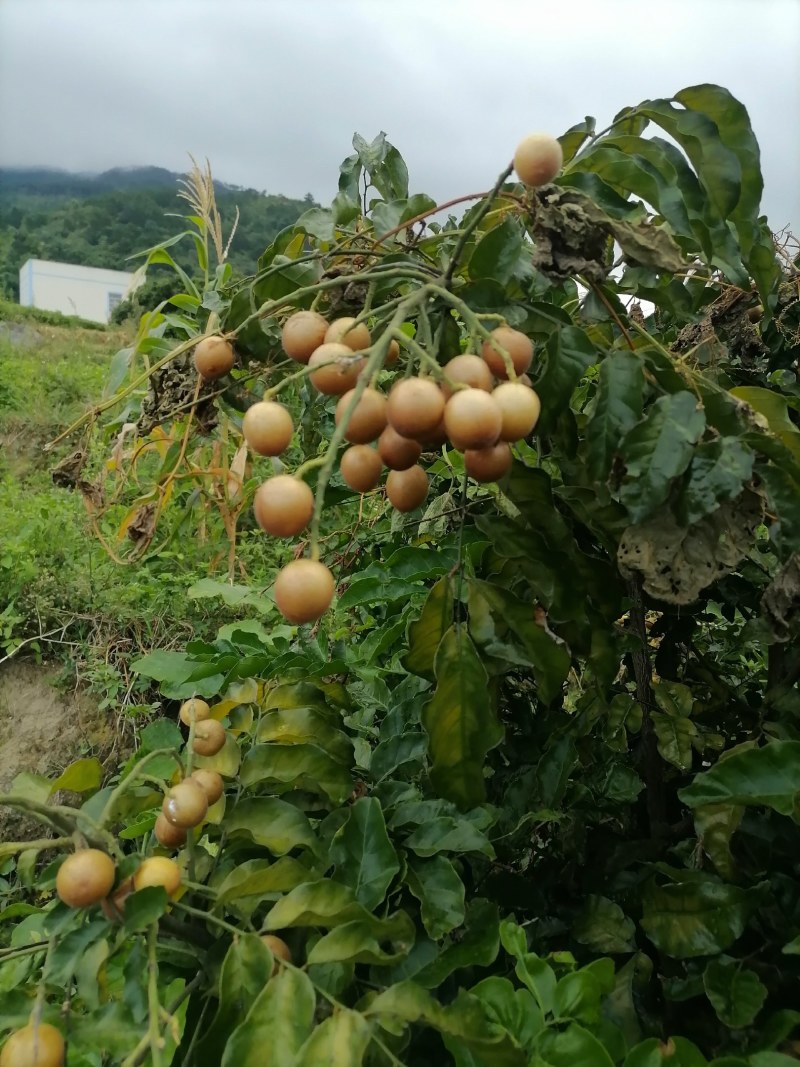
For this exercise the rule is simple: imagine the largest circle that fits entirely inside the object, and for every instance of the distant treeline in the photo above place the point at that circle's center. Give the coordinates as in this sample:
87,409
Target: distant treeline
101,220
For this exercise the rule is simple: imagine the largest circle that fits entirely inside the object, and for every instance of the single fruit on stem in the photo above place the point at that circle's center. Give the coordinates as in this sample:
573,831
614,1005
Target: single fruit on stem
34,1046
398,452
488,464
186,804
361,468
209,738
267,428
85,877
302,333
167,834
407,489
467,369
194,708
415,406
304,590
339,376
518,346
283,505
393,354
210,782
158,870
472,419
520,408
279,949
538,159
368,420
343,332
213,358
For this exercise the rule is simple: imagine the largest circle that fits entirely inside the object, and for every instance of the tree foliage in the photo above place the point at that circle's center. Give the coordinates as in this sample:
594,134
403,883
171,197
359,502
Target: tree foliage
528,794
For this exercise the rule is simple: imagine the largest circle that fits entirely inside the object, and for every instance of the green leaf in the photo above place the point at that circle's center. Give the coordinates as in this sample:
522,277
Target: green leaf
696,916
293,726
246,969
82,776
657,450
250,882
359,941
329,904
437,886
448,834
144,907
272,823
477,946
603,926
279,1021
516,637
363,854
285,767
617,407
767,776
497,253
736,993
69,949
164,666
718,471
573,1046
674,1052
569,354
513,1009
675,737
715,825
460,720
533,971
340,1041
425,635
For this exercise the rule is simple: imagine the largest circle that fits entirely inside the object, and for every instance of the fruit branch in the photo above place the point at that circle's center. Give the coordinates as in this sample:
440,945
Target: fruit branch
473,321
10,848
136,773
432,211
480,214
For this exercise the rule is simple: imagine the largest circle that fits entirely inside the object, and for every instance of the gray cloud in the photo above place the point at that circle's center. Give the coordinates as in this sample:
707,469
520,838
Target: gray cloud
272,91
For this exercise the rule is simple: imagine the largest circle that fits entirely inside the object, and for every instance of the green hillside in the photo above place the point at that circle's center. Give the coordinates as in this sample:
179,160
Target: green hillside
101,220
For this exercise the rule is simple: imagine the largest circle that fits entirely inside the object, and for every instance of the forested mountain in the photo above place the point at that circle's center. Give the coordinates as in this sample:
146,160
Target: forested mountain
100,220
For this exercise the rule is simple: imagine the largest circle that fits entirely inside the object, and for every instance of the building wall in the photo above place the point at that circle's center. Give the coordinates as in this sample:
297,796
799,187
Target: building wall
90,292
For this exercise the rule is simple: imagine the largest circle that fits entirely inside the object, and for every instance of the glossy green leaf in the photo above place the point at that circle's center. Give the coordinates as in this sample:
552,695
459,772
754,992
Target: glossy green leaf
718,472
279,1021
363,854
767,776
657,450
82,776
736,993
437,886
272,823
340,1041
144,907
246,969
513,1009
497,253
697,916
249,882
675,1052
617,408
329,904
448,834
533,971
460,720
294,726
477,945
362,940
569,354
603,926
575,137
675,737
573,1046
284,767
426,633
715,825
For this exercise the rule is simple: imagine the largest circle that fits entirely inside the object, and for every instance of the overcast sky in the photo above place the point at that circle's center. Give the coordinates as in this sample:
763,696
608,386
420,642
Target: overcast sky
272,90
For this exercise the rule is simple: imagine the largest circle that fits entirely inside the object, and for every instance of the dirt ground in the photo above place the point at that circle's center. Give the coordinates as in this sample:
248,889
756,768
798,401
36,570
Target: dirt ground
43,729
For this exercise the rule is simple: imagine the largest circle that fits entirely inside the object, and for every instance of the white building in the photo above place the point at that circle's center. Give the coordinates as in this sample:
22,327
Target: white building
89,292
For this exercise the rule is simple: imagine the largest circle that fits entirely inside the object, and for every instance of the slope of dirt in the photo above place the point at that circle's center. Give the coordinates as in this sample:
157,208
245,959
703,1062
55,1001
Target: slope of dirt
43,730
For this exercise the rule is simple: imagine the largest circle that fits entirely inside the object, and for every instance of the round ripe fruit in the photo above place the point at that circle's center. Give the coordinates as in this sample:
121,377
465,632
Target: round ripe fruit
472,419
469,370
279,949
33,1046
398,452
213,358
361,468
85,877
167,834
392,355
209,737
302,333
210,782
368,421
520,407
194,708
415,406
283,505
186,804
304,590
538,159
488,464
267,428
518,346
337,377
158,870
343,332
408,489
